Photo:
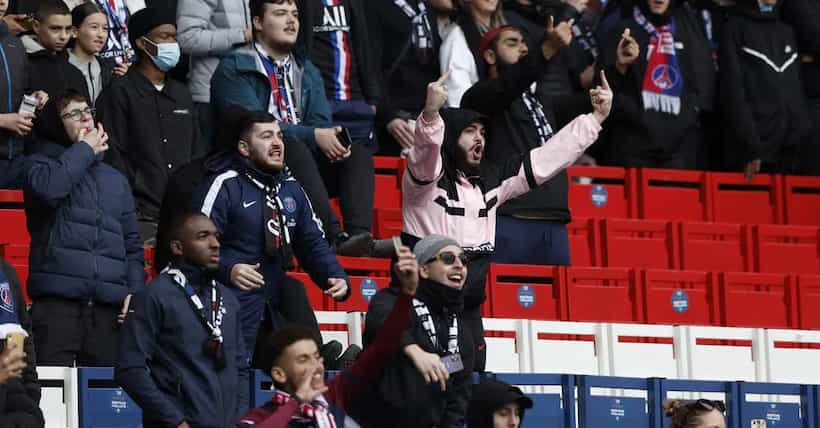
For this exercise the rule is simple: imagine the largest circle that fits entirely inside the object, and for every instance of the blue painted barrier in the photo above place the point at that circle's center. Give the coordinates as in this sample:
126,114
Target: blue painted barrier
549,409
103,404
729,389
613,411
777,414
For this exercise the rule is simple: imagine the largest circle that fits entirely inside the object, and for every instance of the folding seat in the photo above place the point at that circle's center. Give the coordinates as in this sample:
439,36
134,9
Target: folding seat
387,179
527,292
808,297
387,222
801,200
14,198
761,300
667,194
639,244
362,289
680,297
786,249
603,295
601,192
318,301
13,223
714,247
584,242
734,200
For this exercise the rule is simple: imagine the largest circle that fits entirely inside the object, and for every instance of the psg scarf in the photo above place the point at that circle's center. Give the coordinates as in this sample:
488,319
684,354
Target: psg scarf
662,82
315,411
9,322
277,235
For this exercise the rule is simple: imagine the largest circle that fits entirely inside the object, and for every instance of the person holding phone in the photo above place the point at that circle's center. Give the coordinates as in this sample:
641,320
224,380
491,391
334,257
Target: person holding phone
698,414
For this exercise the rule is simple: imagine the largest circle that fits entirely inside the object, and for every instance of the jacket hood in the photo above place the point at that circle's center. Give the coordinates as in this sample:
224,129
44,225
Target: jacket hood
490,395
456,120
654,18
752,9
49,124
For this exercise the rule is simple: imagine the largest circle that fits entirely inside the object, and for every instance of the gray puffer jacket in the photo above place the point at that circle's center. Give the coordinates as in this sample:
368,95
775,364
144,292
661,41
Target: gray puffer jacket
207,29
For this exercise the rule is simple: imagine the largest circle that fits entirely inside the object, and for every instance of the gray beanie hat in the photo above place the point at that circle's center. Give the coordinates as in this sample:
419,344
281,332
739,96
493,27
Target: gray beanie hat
427,248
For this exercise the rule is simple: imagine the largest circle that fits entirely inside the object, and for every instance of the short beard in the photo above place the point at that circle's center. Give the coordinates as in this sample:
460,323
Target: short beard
464,166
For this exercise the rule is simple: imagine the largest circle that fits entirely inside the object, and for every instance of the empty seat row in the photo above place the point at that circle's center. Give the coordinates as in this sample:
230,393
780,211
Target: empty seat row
694,245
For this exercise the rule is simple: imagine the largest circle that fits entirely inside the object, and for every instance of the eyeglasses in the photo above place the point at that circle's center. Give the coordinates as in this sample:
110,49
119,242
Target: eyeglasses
449,257
77,114
709,405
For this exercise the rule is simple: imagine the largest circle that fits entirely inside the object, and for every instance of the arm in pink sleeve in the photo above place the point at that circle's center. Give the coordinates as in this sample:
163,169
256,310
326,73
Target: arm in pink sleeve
548,160
424,158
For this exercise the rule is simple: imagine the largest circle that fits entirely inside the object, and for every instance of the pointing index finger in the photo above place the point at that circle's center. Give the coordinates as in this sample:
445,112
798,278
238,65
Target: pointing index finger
604,82
550,23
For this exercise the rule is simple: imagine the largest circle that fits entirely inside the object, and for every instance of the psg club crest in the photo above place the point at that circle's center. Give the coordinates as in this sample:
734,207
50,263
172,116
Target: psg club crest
665,77
290,204
6,299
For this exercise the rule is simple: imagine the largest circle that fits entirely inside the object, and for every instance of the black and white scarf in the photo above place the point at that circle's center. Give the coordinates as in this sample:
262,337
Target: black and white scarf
539,119
422,36
430,327
277,235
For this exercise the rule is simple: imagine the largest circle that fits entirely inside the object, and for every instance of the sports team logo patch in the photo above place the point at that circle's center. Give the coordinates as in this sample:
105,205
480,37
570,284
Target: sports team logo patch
6,300
290,204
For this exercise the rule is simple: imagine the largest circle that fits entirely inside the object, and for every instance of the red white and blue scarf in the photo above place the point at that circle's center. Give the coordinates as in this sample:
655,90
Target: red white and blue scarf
315,411
662,82
9,322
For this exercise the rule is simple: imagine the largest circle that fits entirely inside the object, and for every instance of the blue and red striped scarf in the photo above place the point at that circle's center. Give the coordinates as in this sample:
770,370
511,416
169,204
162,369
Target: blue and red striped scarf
662,81
9,322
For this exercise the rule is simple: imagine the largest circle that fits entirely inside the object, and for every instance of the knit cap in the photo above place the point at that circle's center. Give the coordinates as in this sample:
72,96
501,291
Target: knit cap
430,245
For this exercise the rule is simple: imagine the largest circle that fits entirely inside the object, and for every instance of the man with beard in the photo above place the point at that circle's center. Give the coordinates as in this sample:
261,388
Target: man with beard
658,122
447,190
182,358
268,75
264,218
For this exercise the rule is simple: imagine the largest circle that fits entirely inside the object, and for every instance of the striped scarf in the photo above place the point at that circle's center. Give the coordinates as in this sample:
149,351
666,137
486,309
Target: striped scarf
662,81
539,119
422,35
430,327
316,411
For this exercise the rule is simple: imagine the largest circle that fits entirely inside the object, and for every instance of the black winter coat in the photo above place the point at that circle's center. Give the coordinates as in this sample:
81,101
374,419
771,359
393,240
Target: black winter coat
13,76
761,88
804,16
20,398
631,132
402,398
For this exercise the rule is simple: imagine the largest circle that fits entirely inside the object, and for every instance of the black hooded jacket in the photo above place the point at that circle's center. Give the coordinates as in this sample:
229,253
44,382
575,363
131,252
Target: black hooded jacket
761,88
804,16
632,132
402,399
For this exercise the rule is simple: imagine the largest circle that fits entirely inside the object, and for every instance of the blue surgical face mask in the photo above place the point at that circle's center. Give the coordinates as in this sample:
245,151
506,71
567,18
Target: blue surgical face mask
167,55
764,8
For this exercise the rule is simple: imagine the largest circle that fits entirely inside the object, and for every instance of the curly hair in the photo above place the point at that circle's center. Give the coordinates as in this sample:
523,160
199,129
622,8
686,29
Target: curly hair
685,413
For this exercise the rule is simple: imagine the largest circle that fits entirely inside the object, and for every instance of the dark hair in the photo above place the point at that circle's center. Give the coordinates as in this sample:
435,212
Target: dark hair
493,45
248,119
257,7
83,11
178,222
683,413
51,7
274,345
70,96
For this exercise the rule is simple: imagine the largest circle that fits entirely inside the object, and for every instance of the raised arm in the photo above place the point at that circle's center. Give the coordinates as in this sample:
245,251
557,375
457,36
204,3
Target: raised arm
424,158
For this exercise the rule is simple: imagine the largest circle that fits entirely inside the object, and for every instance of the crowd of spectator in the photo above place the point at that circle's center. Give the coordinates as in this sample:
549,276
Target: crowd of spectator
216,132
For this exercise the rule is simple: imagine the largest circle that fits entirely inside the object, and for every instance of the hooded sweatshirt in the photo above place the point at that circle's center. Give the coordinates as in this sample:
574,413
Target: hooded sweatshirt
437,198
761,88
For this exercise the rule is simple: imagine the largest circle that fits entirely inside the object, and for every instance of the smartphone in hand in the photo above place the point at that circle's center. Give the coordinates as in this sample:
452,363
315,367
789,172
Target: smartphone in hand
344,138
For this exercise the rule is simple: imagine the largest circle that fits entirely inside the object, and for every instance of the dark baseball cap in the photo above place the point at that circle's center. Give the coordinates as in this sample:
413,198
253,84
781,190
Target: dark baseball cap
489,396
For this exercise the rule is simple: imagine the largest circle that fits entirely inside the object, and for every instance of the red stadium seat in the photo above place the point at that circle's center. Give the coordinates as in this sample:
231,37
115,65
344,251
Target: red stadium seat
388,175
801,200
808,295
714,247
387,222
667,194
786,249
362,289
639,244
734,200
11,197
680,297
525,291
758,300
365,266
611,193
584,242
603,295
14,227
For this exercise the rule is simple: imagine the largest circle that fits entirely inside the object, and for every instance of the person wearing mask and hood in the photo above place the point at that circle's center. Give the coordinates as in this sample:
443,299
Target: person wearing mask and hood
90,35
86,258
659,59
496,404
428,385
761,88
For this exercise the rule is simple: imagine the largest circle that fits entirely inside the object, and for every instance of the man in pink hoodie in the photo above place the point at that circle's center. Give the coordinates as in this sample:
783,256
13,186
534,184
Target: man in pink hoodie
448,191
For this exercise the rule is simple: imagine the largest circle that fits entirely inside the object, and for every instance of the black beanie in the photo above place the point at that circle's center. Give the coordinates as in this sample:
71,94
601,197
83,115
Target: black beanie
145,20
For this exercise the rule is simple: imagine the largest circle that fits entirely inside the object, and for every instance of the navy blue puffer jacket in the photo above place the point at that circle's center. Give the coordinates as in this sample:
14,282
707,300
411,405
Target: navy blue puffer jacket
85,244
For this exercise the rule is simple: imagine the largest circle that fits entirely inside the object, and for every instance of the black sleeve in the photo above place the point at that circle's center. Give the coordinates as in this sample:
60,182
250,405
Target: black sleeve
377,312
30,381
368,67
804,16
494,96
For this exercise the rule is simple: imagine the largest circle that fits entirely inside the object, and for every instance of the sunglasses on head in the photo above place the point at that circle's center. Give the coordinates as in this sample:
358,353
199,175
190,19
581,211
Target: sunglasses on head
709,405
449,257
